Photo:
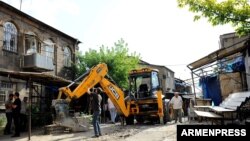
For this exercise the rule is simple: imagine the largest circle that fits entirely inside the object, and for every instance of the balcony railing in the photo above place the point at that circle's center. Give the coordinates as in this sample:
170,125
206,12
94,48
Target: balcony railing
38,62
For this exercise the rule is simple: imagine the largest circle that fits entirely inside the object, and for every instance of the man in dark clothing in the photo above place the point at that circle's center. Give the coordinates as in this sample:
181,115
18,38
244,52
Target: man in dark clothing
16,108
96,107
8,109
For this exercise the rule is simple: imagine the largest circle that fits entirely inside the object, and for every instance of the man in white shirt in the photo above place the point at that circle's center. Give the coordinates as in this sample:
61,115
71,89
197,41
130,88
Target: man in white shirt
176,102
112,110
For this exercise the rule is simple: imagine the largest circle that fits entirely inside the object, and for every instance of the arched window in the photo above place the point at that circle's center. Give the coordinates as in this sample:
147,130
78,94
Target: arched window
10,37
48,49
67,57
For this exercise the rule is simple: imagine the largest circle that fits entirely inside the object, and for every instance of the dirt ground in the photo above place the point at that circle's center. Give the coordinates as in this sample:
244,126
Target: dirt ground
111,132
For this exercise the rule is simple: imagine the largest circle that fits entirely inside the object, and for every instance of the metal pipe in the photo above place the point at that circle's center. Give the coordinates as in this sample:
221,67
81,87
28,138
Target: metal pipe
30,98
193,87
80,77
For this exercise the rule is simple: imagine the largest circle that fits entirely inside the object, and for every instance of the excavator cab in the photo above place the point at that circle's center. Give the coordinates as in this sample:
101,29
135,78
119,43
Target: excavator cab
148,103
144,83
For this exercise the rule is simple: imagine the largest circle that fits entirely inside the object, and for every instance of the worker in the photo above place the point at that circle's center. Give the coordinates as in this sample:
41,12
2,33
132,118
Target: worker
96,107
16,108
112,110
8,110
176,103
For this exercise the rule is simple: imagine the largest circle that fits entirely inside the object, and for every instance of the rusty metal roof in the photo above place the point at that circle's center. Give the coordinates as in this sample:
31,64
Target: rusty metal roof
42,78
216,55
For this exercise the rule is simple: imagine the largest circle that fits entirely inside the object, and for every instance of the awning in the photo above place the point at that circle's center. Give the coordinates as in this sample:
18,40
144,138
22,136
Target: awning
216,55
42,78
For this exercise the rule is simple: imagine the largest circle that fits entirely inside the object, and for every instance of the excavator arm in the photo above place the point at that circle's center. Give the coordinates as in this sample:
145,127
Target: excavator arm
91,78
116,95
97,75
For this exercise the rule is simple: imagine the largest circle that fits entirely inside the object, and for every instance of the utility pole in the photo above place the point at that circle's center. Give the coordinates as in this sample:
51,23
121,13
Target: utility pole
30,83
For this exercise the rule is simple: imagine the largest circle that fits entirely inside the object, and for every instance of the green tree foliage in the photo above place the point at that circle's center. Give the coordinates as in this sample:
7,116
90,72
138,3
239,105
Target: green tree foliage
219,12
117,58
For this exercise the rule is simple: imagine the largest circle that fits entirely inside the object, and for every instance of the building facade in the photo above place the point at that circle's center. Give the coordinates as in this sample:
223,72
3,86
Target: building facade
29,45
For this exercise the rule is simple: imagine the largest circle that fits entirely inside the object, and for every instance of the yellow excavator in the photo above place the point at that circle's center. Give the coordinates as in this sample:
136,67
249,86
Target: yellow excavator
144,101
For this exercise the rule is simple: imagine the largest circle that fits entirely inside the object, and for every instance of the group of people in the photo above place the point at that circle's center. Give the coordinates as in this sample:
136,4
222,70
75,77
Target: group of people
95,95
16,111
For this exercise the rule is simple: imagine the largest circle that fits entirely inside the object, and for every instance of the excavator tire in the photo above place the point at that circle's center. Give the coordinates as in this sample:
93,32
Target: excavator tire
166,116
130,120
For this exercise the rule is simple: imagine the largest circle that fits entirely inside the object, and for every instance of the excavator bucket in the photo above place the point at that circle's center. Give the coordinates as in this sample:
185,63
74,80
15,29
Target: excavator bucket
75,123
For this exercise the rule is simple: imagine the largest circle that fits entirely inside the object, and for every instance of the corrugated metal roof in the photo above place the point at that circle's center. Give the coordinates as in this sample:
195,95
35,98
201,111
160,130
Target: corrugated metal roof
42,78
216,55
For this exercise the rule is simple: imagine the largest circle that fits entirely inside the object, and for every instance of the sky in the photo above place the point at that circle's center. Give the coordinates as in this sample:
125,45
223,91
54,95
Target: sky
158,30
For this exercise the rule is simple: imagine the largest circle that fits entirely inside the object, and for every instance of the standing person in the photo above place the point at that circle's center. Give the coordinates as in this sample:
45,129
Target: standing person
96,107
8,110
23,114
176,102
112,110
16,108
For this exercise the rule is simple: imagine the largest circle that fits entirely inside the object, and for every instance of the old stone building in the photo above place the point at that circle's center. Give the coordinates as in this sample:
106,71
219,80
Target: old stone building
32,46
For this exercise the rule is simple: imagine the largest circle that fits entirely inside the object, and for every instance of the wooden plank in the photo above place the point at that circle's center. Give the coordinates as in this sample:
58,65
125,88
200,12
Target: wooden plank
235,103
202,106
240,94
229,107
203,102
207,114
221,109
235,99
